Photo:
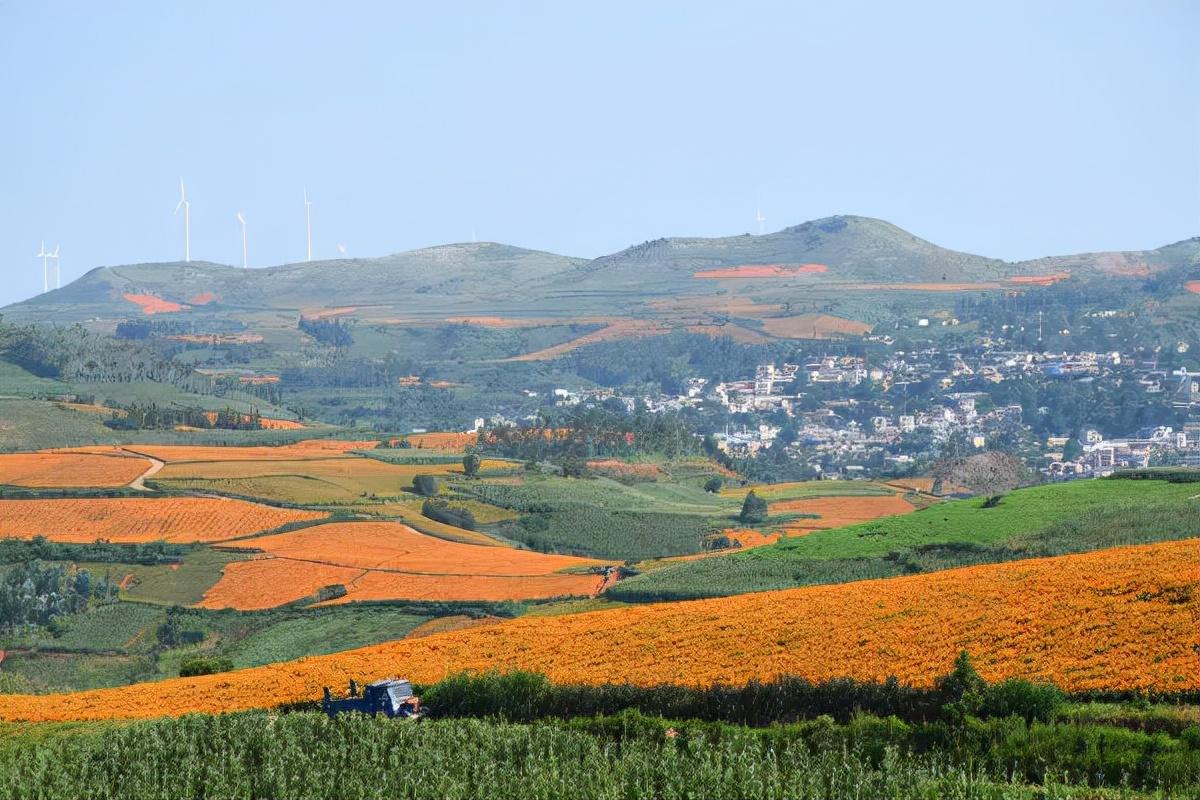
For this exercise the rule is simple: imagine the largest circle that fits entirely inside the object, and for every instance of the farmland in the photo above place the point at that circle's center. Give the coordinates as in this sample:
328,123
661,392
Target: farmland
1039,521
338,480
305,755
142,519
386,560
1122,618
56,470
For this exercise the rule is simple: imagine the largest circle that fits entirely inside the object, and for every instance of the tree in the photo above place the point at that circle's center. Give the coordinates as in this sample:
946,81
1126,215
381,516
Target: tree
1072,450
754,509
425,485
714,484
471,464
962,690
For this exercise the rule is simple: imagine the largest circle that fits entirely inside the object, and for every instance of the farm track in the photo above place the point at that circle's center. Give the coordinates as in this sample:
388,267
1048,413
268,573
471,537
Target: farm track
139,483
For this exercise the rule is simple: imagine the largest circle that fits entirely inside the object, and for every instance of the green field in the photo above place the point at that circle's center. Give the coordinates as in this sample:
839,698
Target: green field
170,584
517,735
1027,523
117,643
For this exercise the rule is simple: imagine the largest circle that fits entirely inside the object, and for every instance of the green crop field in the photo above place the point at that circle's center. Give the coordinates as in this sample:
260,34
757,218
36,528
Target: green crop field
591,531
1028,523
627,755
322,631
170,584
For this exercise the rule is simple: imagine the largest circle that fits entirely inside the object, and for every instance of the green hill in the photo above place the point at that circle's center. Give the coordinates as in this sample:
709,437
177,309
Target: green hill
1027,523
496,279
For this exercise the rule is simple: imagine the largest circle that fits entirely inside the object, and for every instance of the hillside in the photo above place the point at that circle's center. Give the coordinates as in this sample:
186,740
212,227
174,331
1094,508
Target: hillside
1027,523
412,279
1087,631
819,259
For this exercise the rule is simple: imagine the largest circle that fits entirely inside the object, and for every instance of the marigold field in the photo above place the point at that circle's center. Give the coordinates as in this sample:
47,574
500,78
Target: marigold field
309,448
837,511
391,561
129,520
54,470
332,479
1125,618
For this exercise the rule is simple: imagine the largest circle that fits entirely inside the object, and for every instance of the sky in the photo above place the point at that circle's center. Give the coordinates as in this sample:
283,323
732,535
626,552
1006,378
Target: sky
1010,129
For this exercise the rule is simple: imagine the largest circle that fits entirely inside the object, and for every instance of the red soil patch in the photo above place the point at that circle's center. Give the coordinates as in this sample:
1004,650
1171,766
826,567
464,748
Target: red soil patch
1040,280
1193,287
258,380
203,299
762,271
153,305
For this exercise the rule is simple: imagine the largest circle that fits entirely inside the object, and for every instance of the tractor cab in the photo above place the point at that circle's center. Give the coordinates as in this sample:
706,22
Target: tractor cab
392,697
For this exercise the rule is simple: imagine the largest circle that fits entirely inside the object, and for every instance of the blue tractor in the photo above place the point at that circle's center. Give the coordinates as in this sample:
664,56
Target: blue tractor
392,697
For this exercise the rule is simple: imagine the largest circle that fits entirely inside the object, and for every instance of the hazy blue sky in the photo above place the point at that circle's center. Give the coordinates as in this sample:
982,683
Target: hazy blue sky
1011,129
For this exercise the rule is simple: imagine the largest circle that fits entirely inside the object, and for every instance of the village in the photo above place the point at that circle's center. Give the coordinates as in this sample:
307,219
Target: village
847,417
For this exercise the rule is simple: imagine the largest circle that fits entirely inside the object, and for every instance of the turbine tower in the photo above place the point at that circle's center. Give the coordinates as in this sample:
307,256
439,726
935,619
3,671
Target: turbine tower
308,226
57,268
187,221
242,220
45,257
758,215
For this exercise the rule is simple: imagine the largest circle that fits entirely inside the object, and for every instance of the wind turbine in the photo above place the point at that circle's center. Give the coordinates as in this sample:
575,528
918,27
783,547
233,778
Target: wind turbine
44,256
242,220
758,215
187,221
57,268
308,225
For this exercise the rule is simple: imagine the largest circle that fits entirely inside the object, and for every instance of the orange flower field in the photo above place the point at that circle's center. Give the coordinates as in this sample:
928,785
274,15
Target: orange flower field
51,470
391,561
129,520
1123,618
838,511
309,448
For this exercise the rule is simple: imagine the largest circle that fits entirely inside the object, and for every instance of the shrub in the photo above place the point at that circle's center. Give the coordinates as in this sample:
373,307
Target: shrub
471,464
1031,701
425,485
191,667
441,511
714,484
754,509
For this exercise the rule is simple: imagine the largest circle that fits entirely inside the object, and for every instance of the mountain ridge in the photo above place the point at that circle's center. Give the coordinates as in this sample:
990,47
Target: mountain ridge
465,278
